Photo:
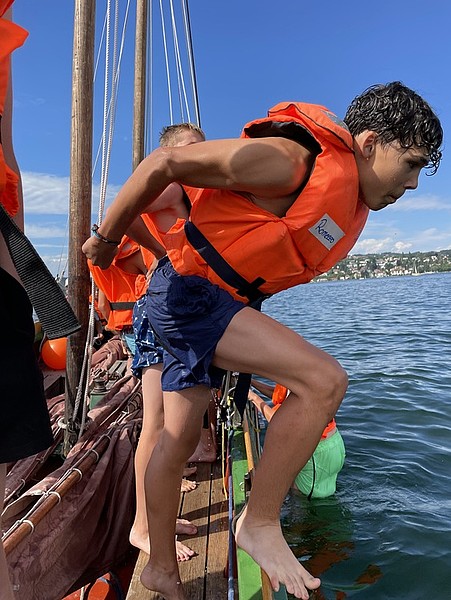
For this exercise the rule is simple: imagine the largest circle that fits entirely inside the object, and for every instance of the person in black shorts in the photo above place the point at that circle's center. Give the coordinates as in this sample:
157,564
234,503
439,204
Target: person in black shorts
24,423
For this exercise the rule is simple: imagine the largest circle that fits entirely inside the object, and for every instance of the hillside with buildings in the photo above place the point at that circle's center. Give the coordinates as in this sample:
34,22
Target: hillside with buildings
389,264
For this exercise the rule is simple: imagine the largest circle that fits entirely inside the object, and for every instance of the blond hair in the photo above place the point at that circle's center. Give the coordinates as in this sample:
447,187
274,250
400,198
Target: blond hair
168,134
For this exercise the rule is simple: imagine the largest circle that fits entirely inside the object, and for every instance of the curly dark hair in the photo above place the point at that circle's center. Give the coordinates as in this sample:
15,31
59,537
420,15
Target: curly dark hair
397,113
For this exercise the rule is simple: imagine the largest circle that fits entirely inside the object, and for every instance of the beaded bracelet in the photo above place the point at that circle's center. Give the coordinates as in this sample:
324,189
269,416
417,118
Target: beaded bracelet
99,236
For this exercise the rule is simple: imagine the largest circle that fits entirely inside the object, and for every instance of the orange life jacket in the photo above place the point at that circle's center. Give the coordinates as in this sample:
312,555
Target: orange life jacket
318,230
278,396
151,226
11,37
159,234
120,287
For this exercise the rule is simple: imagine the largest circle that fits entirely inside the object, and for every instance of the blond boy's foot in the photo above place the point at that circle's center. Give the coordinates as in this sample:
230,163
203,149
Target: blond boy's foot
183,552
165,583
206,450
140,539
188,471
188,485
185,527
265,543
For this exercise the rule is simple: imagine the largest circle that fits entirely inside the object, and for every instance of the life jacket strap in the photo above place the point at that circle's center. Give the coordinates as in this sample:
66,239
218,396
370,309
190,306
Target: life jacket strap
222,268
122,305
54,311
228,274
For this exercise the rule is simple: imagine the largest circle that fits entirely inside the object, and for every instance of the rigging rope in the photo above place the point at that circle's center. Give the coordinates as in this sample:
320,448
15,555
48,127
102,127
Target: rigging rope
168,78
111,86
109,112
178,64
189,44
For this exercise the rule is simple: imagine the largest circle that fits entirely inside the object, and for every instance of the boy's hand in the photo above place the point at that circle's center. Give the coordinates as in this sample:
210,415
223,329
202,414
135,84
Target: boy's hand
100,254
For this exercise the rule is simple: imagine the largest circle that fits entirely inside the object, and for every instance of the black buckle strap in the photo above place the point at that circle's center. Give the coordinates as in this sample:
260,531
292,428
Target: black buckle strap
122,305
222,268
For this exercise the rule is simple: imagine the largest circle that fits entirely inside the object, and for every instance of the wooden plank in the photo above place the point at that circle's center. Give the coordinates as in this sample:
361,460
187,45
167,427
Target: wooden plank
195,508
212,523
136,590
218,539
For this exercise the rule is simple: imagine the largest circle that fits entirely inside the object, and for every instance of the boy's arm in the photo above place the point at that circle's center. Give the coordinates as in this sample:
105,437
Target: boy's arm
266,167
138,232
261,405
263,388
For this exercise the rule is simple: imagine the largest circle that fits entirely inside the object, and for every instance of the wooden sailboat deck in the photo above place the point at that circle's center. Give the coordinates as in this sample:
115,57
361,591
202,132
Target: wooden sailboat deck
204,576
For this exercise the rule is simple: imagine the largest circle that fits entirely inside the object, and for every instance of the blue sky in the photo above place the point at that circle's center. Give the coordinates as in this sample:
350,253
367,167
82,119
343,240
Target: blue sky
249,55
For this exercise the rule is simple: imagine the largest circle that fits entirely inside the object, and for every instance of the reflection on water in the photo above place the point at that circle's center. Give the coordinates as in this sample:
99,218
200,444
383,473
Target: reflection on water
385,534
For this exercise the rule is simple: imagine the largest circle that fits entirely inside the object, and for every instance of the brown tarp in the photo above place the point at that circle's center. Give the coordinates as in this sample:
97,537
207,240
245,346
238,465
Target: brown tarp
86,533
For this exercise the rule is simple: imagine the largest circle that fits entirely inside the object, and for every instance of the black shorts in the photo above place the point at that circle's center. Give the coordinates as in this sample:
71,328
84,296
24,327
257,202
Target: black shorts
24,420
189,315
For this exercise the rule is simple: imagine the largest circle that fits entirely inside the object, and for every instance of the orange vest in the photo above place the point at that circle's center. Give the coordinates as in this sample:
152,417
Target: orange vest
11,37
151,226
278,396
318,230
119,286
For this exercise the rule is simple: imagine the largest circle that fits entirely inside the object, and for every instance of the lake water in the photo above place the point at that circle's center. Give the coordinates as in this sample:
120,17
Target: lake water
387,531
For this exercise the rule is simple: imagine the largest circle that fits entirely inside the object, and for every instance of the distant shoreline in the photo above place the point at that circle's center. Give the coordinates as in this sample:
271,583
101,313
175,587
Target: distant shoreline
388,264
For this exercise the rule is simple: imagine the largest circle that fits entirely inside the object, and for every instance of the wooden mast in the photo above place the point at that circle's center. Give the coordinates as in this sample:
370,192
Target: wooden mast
140,82
80,195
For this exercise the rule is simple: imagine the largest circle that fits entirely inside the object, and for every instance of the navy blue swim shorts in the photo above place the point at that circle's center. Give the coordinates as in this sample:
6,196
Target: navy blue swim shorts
147,351
189,316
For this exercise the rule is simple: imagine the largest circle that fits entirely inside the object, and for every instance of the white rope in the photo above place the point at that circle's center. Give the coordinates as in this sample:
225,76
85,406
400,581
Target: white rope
118,70
168,78
178,62
191,60
148,118
82,390
106,145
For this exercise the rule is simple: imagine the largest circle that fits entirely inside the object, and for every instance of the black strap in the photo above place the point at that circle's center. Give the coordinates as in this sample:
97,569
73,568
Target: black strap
241,393
221,267
122,305
249,290
54,311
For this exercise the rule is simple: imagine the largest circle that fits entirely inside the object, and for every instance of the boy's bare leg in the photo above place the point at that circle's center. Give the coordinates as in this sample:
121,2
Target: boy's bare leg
255,343
183,420
6,592
152,426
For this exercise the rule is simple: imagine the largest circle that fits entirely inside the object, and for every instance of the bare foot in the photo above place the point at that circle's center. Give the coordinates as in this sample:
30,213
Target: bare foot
183,552
206,449
140,540
185,527
264,541
165,583
188,485
187,471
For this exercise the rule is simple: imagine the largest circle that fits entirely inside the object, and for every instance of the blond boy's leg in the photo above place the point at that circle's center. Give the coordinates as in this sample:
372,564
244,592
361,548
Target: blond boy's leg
183,420
152,426
255,343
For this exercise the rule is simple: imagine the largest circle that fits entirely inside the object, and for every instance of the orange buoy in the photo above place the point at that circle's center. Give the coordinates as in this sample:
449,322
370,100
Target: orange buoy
53,353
